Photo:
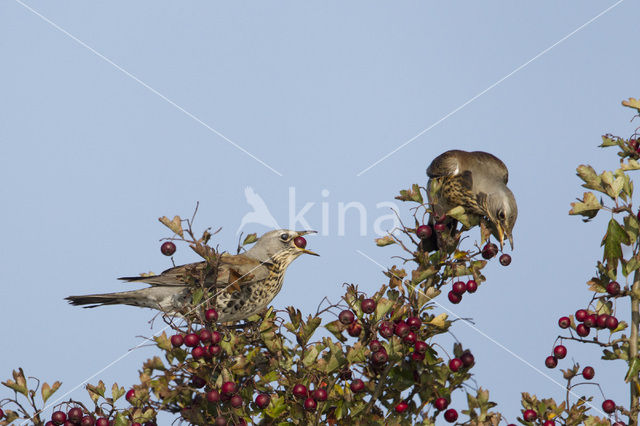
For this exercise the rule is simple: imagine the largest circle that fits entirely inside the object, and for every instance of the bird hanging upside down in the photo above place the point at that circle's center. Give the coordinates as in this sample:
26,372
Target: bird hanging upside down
476,181
244,284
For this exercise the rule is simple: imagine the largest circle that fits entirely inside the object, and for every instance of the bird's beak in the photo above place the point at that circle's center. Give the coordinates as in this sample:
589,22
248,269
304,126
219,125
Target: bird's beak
304,250
510,240
500,234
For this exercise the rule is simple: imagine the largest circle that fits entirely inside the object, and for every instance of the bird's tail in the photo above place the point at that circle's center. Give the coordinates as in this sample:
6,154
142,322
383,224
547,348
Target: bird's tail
141,298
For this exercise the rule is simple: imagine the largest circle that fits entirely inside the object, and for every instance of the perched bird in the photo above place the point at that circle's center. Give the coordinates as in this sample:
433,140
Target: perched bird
243,286
477,181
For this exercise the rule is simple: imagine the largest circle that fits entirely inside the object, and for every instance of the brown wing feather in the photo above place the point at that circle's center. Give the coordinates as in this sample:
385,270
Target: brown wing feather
445,164
232,268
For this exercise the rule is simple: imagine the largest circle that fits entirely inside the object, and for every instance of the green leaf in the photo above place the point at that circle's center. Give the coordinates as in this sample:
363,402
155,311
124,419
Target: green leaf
311,355
20,383
612,241
336,328
607,141
121,419
250,239
589,206
117,392
634,369
412,194
196,297
459,214
590,177
308,329
382,307
47,390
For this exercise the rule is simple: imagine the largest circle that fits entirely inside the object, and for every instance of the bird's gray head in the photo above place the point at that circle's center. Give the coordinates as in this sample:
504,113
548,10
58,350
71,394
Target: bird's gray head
280,244
502,212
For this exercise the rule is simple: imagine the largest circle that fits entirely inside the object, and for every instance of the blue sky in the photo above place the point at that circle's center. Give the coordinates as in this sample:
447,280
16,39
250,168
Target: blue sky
96,148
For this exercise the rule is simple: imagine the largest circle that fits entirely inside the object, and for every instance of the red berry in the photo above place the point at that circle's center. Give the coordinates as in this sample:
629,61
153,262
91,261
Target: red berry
612,323
582,330
549,423
601,321
613,288
467,359
300,391
581,315
1,413
346,317
205,335
131,395
588,373
420,347
417,356
368,306
354,329
220,421
471,286
564,322
357,386
551,362
136,424
375,345
410,338
590,320
75,414
300,242
213,396
192,340
529,415
310,404
451,415
608,406
102,422
229,388
385,330
414,323
49,423
87,421
58,417
459,288
440,227
213,350
380,357
320,394
489,251
401,329
454,298
441,404
177,340
424,231
263,400
455,364
402,406
505,260
236,401
211,315
198,352
168,248
560,351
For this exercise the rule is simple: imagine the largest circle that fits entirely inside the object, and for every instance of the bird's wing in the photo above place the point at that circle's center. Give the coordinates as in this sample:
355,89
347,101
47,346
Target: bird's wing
445,164
491,165
239,269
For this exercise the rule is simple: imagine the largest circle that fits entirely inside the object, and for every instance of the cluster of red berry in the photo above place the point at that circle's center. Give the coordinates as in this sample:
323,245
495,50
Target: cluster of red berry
76,416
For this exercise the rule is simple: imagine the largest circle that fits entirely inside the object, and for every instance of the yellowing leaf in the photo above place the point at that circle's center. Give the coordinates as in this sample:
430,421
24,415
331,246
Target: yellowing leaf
632,103
175,224
439,321
589,206
47,390
384,241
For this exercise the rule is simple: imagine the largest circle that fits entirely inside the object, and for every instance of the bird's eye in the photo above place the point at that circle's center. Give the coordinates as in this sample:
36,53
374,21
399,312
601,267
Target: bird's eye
284,237
501,215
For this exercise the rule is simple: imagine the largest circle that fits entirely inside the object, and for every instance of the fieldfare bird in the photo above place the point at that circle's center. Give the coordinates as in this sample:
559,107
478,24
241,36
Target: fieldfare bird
477,181
243,285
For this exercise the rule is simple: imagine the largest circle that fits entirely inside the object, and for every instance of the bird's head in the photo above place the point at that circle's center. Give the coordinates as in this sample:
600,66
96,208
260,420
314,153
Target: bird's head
502,212
280,244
